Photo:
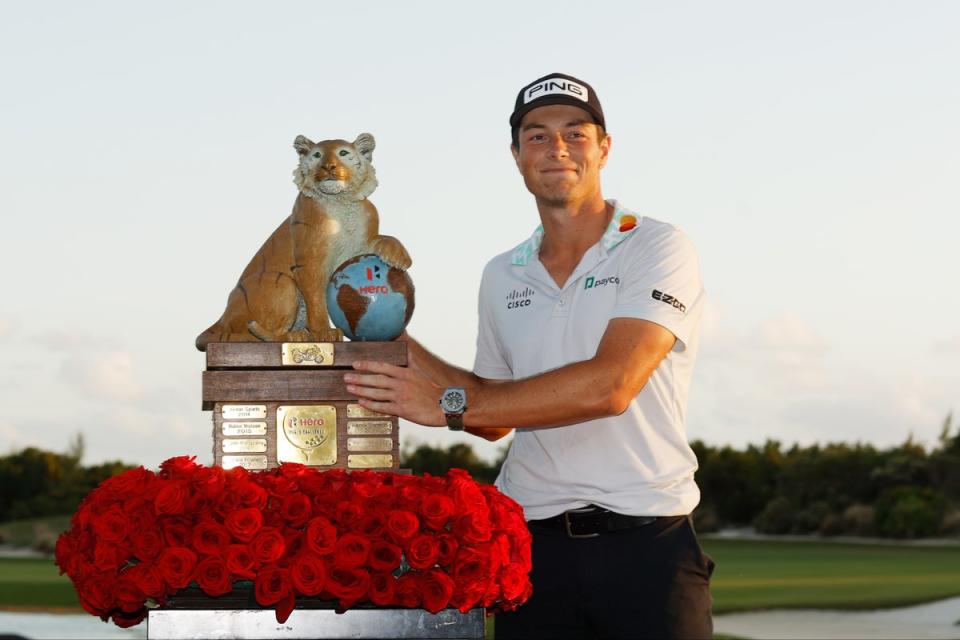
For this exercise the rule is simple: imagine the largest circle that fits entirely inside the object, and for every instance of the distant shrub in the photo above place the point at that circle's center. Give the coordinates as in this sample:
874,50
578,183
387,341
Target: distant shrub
858,520
777,517
909,512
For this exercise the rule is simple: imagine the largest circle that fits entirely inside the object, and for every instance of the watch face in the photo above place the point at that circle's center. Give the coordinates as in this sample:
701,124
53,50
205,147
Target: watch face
453,400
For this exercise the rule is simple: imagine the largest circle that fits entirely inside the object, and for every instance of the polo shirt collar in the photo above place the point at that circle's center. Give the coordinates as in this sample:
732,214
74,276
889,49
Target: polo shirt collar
621,225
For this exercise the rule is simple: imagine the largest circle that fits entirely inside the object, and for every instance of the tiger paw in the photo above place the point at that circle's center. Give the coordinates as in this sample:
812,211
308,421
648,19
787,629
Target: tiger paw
392,252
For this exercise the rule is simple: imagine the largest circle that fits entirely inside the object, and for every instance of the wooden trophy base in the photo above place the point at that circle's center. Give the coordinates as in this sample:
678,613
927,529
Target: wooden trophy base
277,402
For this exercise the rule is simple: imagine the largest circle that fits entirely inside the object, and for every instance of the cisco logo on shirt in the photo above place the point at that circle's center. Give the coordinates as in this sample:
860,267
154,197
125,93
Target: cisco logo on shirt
519,299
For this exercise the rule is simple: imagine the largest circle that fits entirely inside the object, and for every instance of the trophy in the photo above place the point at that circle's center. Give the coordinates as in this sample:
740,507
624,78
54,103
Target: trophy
274,377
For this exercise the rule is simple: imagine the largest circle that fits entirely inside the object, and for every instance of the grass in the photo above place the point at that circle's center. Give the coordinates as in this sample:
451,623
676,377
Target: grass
750,575
754,575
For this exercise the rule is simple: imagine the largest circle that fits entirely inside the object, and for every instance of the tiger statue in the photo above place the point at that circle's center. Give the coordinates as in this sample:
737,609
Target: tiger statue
281,295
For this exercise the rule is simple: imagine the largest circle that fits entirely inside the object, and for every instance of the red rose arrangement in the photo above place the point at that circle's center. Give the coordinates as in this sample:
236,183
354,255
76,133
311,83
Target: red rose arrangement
362,536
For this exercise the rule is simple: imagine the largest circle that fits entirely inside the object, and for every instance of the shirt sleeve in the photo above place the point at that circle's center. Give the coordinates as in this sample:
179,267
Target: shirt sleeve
491,361
661,284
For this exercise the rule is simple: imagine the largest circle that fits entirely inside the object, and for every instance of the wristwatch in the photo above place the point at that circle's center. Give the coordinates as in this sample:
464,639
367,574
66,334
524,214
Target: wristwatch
454,403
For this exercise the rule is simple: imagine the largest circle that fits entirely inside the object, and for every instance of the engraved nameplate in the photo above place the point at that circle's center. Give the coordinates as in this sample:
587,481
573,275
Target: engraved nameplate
253,445
247,462
369,428
369,444
370,461
244,428
307,354
307,434
243,411
357,411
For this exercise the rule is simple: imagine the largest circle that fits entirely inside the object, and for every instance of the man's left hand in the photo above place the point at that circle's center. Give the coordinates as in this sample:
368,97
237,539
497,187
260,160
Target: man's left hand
398,391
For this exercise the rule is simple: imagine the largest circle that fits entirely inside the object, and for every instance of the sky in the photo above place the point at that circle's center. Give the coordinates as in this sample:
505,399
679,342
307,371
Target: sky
811,151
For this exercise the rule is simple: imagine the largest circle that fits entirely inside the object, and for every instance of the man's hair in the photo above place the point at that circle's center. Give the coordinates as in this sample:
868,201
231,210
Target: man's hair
515,135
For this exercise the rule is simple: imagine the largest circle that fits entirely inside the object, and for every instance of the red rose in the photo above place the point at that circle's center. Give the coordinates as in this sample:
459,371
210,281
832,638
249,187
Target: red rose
209,481
352,550
447,547
436,509
210,538
437,588
243,524
112,525
372,524
385,496
249,494
410,495
213,576
107,557
96,594
147,579
268,545
176,531
271,585
465,492
296,509
128,483
129,596
176,564
180,467
240,561
348,515
320,536
383,589
308,573
348,584
408,590
401,525
422,551
384,556
472,527
172,498
514,583
146,544
126,620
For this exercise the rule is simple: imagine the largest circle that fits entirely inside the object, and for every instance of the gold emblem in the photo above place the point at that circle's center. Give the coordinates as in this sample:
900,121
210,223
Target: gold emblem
244,428
243,411
369,444
370,461
369,428
247,462
253,445
357,411
307,354
307,434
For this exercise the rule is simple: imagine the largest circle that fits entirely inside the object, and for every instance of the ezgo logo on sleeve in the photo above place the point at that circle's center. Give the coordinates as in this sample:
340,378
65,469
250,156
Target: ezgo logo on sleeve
673,302
592,283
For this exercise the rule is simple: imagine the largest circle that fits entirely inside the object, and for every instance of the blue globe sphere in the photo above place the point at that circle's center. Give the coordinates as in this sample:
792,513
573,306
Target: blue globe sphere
369,300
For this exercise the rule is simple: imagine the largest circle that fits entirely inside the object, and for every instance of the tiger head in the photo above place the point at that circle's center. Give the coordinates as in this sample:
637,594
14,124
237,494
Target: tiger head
335,168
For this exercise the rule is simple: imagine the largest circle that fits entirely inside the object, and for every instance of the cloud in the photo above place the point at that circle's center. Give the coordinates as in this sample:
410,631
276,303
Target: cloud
70,339
107,376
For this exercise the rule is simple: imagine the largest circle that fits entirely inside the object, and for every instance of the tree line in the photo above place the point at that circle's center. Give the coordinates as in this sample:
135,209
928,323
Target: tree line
904,491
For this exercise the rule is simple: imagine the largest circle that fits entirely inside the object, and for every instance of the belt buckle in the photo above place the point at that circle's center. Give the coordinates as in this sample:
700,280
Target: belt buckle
566,522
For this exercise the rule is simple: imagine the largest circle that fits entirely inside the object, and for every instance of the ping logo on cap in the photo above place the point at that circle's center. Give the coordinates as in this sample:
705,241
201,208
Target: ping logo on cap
552,86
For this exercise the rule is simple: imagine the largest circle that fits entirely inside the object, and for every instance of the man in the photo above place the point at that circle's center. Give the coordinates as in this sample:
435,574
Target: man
588,333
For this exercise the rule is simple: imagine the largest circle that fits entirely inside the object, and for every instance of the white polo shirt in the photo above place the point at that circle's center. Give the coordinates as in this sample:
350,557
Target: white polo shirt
639,462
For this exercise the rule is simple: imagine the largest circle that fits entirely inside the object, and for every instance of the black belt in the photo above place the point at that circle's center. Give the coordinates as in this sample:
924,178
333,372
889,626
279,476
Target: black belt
591,521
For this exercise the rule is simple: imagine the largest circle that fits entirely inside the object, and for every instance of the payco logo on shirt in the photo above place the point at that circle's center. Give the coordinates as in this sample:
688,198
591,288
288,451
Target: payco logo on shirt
592,283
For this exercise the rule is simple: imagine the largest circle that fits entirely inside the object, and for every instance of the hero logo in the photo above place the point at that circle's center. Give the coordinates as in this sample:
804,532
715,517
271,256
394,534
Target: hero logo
591,282
665,297
519,299
374,288
552,86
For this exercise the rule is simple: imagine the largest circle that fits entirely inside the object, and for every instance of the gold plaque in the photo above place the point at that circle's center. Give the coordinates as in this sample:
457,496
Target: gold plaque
252,445
307,354
369,444
307,434
244,411
247,462
357,411
369,428
370,461
244,428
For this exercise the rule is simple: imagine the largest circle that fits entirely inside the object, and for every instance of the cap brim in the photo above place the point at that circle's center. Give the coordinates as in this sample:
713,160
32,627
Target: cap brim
517,116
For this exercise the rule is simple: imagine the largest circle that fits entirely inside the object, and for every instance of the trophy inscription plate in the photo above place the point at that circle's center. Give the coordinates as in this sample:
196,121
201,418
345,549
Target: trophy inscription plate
244,428
369,427
307,434
369,461
369,444
244,411
253,463
359,411
316,354
247,445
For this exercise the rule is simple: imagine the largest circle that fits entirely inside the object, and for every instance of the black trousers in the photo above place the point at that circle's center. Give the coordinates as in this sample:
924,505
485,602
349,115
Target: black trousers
649,582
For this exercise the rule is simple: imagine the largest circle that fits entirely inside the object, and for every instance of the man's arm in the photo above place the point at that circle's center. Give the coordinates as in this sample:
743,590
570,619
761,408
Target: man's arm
602,386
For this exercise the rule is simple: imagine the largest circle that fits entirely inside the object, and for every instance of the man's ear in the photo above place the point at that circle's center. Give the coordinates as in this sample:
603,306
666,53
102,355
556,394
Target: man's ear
365,144
302,144
516,154
605,150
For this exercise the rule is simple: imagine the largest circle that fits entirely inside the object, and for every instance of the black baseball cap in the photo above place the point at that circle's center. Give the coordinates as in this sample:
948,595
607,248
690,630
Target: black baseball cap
556,88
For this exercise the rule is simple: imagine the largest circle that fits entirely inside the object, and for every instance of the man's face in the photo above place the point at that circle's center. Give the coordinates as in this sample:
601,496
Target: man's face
559,155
